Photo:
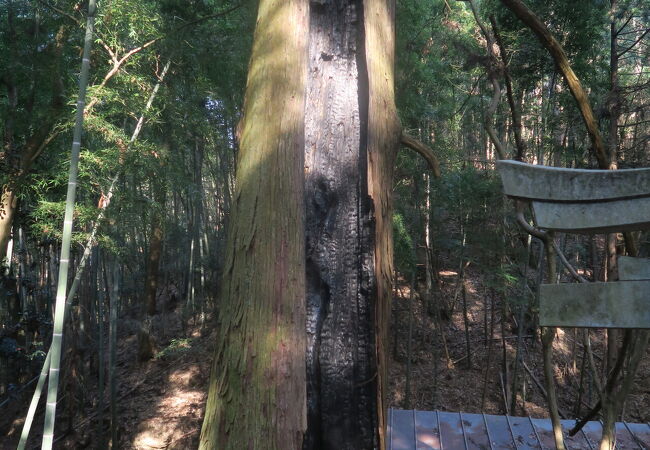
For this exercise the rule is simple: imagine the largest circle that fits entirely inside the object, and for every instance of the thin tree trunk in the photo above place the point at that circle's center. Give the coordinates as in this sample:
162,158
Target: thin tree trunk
581,388
496,88
409,344
505,373
514,109
488,363
22,272
155,247
103,204
466,322
112,352
520,330
8,258
101,361
548,335
8,206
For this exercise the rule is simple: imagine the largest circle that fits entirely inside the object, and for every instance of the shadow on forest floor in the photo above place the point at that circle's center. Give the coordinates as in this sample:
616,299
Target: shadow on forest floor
459,388
160,402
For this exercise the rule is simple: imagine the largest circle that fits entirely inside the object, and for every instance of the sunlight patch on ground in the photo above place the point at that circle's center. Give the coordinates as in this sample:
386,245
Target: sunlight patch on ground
469,287
561,343
178,414
447,273
16,426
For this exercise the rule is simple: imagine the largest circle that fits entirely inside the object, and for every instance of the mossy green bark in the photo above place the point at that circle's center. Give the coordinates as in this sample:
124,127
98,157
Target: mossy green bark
257,388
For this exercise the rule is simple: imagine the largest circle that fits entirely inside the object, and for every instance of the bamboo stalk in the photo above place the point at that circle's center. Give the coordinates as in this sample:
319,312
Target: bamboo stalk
520,332
82,265
102,370
488,363
59,315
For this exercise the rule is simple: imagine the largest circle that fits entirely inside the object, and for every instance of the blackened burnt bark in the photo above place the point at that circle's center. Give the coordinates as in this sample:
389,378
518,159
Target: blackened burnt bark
341,353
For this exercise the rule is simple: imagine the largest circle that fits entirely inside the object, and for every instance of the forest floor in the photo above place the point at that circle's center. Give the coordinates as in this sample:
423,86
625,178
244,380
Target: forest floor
456,387
161,402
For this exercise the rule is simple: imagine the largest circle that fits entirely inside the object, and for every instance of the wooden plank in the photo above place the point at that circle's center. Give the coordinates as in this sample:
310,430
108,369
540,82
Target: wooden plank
451,431
475,431
499,432
633,268
427,435
641,431
559,184
616,304
402,430
601,217
523,433
577,442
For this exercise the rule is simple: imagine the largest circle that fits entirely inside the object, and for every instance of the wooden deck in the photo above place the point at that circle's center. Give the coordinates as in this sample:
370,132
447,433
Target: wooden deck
438,430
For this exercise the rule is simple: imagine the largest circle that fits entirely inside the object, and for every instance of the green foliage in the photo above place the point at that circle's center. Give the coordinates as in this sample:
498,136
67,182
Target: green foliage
200,100
443,93
175,349
403,244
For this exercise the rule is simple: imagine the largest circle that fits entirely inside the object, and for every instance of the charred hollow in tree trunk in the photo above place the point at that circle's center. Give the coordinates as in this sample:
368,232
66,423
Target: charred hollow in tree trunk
300,354
339,232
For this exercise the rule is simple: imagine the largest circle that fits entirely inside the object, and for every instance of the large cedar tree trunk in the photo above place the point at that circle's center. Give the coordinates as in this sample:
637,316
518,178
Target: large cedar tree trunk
299,359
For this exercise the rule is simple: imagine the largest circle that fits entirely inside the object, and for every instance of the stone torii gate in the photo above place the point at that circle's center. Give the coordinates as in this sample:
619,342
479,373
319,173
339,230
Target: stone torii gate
588,201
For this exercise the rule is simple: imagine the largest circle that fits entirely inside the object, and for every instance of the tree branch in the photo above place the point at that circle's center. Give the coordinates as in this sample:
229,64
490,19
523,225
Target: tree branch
424,151
496,88
618,55
624,25
489,128
117,64
514,111
60,11
562,62
609,387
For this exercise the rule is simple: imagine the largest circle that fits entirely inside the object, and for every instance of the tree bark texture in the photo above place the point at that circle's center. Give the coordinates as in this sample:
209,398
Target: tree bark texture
300,358
257,391
383,139
340,280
